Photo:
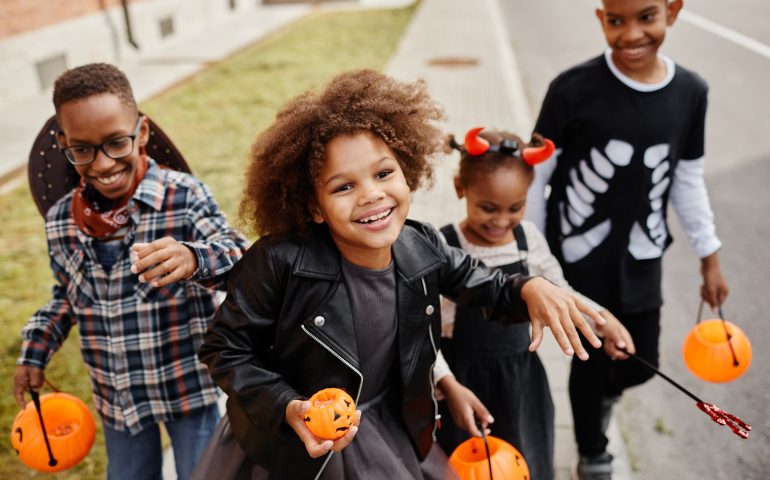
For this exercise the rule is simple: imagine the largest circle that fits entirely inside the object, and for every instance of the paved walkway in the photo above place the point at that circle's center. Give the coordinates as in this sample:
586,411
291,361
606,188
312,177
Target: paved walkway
459,47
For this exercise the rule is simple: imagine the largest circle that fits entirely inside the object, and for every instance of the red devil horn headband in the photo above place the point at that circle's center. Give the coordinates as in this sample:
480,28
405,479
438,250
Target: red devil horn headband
473,144
535,155
476,146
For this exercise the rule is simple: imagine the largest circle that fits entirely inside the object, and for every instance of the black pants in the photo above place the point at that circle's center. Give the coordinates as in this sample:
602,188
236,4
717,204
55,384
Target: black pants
600,377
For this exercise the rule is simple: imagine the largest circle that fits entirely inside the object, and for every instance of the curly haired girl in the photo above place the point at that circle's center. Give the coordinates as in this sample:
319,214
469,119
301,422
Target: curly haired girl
343,291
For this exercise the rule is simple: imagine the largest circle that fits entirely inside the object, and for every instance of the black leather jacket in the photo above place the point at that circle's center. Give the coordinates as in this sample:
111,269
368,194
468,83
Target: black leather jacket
285,331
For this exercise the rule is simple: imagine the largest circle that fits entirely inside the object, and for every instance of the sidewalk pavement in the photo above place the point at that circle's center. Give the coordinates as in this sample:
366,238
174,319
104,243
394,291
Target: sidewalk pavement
460,48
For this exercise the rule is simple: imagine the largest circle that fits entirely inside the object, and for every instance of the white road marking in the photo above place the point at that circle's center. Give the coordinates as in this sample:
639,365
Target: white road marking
738,38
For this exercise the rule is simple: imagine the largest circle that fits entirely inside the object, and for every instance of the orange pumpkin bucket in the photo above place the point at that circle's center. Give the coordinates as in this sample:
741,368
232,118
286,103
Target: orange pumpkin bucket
716,350
504,462
332,412
69,432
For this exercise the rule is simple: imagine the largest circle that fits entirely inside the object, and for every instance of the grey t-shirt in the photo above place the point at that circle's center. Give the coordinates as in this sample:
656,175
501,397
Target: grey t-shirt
373,304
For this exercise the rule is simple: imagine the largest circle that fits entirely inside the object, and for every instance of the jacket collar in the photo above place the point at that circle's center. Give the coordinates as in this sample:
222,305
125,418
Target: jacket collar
414,255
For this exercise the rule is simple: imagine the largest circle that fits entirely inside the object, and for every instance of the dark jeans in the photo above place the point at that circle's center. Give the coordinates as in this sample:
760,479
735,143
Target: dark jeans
600,377
140,456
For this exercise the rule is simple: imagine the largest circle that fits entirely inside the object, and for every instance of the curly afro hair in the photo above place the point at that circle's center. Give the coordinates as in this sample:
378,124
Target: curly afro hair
89,80
287,157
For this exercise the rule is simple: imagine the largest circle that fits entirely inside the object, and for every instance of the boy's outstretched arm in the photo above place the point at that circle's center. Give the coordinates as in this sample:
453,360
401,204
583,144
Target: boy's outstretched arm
163,261
561,311
208,251
616,337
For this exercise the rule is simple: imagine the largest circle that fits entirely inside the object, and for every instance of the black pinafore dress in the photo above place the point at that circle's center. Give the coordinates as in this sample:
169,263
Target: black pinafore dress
494,362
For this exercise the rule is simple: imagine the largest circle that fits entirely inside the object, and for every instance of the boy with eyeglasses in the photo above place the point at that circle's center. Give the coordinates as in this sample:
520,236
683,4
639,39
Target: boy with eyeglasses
136,251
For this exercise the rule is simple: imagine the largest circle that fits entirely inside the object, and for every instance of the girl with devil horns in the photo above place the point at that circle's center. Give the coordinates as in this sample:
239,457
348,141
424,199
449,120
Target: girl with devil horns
491,359
341,290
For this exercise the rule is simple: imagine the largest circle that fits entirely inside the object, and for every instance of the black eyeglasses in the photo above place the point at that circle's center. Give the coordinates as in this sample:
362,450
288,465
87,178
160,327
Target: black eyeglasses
115,148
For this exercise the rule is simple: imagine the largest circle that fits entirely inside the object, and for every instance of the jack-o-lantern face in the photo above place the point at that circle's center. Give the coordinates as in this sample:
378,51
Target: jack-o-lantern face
331,414
70,428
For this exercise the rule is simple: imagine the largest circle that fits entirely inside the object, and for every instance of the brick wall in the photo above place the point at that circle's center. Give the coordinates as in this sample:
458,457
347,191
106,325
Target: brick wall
21,16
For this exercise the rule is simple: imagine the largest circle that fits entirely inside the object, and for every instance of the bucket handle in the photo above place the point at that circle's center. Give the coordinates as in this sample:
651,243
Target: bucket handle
486,448
52,462
724,325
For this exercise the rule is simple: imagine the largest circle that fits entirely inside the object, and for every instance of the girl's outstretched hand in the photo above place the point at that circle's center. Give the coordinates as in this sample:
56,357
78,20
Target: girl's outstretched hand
561,311
616,337
315,446
465,406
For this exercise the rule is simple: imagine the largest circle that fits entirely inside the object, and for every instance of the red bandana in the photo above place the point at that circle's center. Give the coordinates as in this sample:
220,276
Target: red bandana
103,225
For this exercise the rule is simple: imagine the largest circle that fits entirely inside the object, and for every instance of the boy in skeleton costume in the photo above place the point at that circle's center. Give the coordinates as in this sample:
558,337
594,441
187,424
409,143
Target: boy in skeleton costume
629,127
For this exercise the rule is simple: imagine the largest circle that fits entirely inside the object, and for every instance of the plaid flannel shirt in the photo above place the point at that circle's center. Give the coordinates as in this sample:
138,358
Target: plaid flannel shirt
139,342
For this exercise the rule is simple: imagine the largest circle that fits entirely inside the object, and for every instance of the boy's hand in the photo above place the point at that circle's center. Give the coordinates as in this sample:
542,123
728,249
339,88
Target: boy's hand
316,447
714,290
162,262
26,377
561,311
615,337
465,406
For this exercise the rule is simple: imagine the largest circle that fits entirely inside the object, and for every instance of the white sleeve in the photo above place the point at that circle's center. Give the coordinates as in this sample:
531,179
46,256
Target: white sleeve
691,203
440,369
541,262
536,197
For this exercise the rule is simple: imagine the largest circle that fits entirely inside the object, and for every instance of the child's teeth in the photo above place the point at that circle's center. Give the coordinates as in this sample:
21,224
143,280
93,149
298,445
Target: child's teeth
108,180
376,217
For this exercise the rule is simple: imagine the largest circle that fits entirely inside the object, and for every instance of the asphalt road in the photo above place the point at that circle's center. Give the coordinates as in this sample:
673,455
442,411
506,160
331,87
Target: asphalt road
728,43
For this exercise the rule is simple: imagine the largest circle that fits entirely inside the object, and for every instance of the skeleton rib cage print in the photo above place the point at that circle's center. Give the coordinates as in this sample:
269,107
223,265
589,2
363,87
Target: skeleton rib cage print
590,180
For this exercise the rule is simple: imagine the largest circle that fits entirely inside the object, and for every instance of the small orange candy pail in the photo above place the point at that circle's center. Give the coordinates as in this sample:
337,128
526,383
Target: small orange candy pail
469,460
332,412
70,427
708,354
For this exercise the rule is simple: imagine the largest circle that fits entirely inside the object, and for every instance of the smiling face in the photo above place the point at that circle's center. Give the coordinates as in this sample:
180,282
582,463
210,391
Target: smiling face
97,119
495,204
362,195
635,30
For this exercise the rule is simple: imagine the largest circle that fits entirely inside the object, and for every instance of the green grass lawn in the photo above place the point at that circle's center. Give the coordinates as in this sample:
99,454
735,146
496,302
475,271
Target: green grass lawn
213,118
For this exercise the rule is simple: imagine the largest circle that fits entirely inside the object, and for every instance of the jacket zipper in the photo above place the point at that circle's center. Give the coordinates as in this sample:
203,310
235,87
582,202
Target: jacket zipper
358,394
436,415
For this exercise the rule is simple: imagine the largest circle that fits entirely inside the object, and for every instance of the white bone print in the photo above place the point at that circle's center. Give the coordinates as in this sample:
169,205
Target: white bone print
581,196
648,243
